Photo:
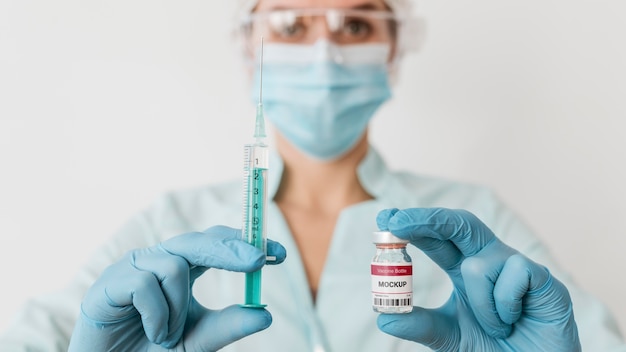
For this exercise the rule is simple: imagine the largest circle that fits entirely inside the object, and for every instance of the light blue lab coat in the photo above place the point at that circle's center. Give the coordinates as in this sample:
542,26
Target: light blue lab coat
341,319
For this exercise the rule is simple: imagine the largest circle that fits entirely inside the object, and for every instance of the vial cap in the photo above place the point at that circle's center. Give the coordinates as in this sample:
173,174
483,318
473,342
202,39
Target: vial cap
387,237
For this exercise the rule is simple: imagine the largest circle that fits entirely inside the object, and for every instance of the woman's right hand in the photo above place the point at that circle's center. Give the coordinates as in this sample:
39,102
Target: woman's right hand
145,302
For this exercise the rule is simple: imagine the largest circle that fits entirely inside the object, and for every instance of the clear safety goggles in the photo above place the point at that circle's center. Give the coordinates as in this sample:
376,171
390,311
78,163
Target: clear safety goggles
306,26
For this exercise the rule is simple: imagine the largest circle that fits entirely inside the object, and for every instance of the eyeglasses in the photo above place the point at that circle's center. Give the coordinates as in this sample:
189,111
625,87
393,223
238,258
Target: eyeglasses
305,26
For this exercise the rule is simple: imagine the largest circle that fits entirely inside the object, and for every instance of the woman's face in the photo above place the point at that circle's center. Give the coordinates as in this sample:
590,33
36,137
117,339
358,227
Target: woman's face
326,74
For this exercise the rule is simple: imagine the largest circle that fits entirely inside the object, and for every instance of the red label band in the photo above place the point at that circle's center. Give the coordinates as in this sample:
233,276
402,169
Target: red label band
392,270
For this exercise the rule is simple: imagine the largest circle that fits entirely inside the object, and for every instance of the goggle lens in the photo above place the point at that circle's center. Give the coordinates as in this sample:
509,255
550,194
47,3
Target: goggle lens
307,26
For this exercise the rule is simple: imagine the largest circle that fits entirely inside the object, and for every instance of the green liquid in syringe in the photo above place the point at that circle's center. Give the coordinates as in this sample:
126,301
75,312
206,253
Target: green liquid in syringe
256,228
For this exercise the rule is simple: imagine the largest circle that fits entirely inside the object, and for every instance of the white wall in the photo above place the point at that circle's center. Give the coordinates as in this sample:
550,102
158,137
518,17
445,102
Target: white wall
104,105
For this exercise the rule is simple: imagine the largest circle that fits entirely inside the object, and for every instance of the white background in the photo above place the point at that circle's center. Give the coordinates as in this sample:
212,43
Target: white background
105,105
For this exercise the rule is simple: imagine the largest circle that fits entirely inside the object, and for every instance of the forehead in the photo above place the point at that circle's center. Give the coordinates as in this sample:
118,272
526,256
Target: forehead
290,4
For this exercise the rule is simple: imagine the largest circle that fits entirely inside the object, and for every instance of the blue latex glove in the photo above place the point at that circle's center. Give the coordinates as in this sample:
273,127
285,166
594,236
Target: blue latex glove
144,302
501,301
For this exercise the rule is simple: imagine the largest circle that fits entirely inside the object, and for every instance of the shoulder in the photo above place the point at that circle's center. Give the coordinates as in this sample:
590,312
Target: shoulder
479,199
193,209
190,200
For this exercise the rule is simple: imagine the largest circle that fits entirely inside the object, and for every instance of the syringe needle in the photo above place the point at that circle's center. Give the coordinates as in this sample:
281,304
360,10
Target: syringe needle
261,74
259,130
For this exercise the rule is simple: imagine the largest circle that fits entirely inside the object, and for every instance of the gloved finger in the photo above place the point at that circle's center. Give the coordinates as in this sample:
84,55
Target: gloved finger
276,250
172,273
460,227
217,247
443,253
428,327
524,281
383,217
480,274
219,328
121,291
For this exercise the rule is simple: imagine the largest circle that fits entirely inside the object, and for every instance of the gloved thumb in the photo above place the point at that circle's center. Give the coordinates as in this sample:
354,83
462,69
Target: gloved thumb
428,327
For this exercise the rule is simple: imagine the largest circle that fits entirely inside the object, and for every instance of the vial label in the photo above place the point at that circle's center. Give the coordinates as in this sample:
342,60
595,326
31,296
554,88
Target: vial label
392,287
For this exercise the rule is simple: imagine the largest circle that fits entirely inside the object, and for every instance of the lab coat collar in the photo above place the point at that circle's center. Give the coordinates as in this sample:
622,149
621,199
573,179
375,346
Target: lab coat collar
374,175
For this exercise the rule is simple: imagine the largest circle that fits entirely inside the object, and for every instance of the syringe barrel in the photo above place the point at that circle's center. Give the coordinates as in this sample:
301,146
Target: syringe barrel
254,220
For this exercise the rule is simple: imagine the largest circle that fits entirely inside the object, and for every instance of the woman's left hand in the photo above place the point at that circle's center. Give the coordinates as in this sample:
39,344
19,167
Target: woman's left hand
501,301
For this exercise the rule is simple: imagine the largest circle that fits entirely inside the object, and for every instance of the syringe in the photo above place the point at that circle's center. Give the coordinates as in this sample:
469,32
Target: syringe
255,196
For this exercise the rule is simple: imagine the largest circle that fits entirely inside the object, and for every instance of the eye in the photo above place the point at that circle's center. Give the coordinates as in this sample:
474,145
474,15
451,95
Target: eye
286,26
290,31
357,28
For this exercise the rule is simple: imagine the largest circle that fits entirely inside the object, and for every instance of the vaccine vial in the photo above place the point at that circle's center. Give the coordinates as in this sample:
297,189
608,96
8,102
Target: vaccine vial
392,275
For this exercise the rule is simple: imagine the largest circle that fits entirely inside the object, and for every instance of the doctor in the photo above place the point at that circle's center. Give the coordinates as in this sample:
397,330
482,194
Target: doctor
483,281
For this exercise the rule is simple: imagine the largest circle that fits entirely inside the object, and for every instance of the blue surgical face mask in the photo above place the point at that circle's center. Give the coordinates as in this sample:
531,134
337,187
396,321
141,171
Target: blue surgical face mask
321,97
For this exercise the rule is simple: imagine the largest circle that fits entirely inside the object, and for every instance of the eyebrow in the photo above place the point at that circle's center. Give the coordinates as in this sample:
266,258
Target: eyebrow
366,6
